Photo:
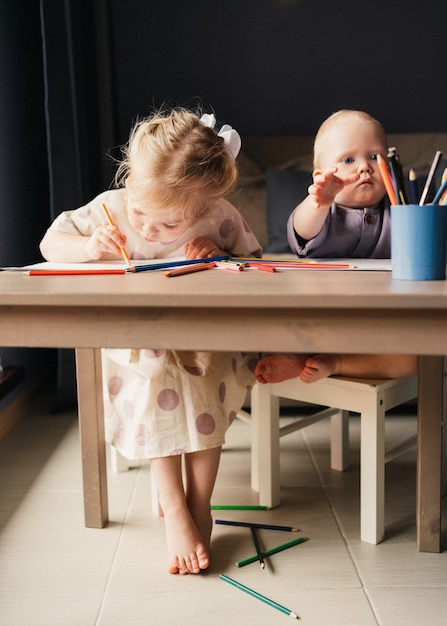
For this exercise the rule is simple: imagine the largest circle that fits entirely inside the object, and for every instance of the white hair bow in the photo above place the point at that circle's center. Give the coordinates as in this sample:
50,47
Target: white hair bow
232,139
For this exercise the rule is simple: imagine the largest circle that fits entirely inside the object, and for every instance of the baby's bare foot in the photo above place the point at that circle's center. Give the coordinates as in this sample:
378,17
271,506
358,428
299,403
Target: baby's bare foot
320,366
278,367
188,551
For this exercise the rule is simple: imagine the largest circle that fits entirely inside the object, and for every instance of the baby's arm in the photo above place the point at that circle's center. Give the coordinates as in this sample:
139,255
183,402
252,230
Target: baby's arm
62,247
311,213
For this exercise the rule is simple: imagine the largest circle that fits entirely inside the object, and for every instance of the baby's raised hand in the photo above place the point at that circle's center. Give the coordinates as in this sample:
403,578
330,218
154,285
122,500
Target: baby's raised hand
327,185
201,248
105,240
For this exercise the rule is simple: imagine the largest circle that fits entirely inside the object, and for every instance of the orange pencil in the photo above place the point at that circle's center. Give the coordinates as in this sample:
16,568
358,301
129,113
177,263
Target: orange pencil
189,269
123,250
386,179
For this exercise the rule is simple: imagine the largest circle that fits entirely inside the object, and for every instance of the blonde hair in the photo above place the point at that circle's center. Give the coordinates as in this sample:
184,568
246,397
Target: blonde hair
173,161
336,117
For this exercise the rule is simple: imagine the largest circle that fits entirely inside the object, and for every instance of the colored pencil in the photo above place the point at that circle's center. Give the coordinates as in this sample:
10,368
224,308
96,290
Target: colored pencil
271,551
413,186
264,267
444,195
430,177
189,269
67,272
442,189
168,264
123,250
229,265
386,179
288,529
259,596
396,173
239,507
257,547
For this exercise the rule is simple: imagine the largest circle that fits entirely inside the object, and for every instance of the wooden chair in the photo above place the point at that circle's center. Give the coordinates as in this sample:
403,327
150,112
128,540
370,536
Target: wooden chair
370,398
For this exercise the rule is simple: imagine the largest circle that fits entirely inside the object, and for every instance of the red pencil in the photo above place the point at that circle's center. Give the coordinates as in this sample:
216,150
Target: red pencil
74,272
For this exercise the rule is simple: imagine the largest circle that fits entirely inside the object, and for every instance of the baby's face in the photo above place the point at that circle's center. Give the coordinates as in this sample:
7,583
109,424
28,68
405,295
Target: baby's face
352,146
164,227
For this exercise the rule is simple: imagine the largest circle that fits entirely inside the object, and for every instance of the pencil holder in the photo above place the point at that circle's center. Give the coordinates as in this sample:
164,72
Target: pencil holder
418,241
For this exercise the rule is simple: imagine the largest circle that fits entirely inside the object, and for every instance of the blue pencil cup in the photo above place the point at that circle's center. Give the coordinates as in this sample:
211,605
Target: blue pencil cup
418,241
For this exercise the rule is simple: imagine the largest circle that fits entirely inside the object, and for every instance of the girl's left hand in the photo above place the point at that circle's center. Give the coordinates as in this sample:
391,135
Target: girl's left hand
201,248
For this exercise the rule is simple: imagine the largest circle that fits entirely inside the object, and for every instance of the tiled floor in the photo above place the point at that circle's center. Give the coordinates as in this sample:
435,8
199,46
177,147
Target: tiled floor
53,571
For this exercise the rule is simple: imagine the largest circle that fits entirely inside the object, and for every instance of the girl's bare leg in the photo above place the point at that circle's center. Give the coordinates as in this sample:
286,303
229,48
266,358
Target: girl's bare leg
275,368
186,512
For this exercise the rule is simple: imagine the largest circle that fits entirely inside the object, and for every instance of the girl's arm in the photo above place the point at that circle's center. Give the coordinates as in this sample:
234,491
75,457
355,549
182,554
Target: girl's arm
62,247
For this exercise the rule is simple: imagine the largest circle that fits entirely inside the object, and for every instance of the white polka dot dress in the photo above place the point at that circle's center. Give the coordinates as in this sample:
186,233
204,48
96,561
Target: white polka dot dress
165,402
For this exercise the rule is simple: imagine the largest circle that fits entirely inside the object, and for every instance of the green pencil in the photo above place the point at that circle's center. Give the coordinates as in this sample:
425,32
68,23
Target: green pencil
283,546
259,596
239,507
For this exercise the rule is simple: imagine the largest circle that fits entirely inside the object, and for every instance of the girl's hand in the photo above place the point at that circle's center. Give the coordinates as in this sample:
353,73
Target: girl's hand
327,185
105,240
201,248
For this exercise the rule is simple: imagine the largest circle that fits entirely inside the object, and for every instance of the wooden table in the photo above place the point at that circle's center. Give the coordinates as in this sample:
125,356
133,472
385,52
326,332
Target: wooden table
302,311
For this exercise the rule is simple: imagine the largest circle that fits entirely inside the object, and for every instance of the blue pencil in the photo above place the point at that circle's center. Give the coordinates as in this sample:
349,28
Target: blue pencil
168,264
440,192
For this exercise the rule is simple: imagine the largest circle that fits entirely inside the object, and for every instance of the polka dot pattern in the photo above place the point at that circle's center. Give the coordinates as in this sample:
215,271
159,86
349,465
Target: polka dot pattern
226,228
205,424
168,399
164,402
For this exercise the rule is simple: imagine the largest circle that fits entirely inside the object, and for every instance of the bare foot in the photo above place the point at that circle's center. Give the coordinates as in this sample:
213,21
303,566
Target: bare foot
278,367
320,366
188,551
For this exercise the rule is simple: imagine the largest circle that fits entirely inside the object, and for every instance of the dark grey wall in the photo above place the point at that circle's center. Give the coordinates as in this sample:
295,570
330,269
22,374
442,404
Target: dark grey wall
281,66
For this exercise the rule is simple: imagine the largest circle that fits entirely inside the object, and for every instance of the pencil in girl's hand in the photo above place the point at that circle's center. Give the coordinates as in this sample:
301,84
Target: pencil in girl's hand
386,179
123,250
430,177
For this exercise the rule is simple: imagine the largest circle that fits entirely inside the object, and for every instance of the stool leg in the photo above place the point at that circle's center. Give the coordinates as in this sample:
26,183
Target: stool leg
118,462
340,441
265,468
372,472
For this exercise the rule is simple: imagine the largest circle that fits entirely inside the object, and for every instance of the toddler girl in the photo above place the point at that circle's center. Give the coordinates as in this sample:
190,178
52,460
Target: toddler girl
169,404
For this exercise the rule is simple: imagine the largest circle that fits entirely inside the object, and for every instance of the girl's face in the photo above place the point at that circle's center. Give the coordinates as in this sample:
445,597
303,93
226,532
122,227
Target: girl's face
352,146
163,228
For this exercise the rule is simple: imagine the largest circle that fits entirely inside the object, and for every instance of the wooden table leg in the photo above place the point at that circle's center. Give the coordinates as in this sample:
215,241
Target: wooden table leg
430,415
91,426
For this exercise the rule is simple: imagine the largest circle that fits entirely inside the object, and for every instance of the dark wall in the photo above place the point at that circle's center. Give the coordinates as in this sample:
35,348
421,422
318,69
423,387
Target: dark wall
281,66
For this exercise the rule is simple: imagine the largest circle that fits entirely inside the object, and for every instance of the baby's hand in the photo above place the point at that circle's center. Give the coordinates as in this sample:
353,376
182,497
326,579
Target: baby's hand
327,185
105,240
201,248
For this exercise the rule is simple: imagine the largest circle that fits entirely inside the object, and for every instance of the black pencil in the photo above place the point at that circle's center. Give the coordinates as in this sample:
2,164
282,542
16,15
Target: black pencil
258,547
289,529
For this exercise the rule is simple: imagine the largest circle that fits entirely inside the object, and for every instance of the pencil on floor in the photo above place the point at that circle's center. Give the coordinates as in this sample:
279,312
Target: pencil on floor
280,548
259,596
257,547
289,529
239,507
